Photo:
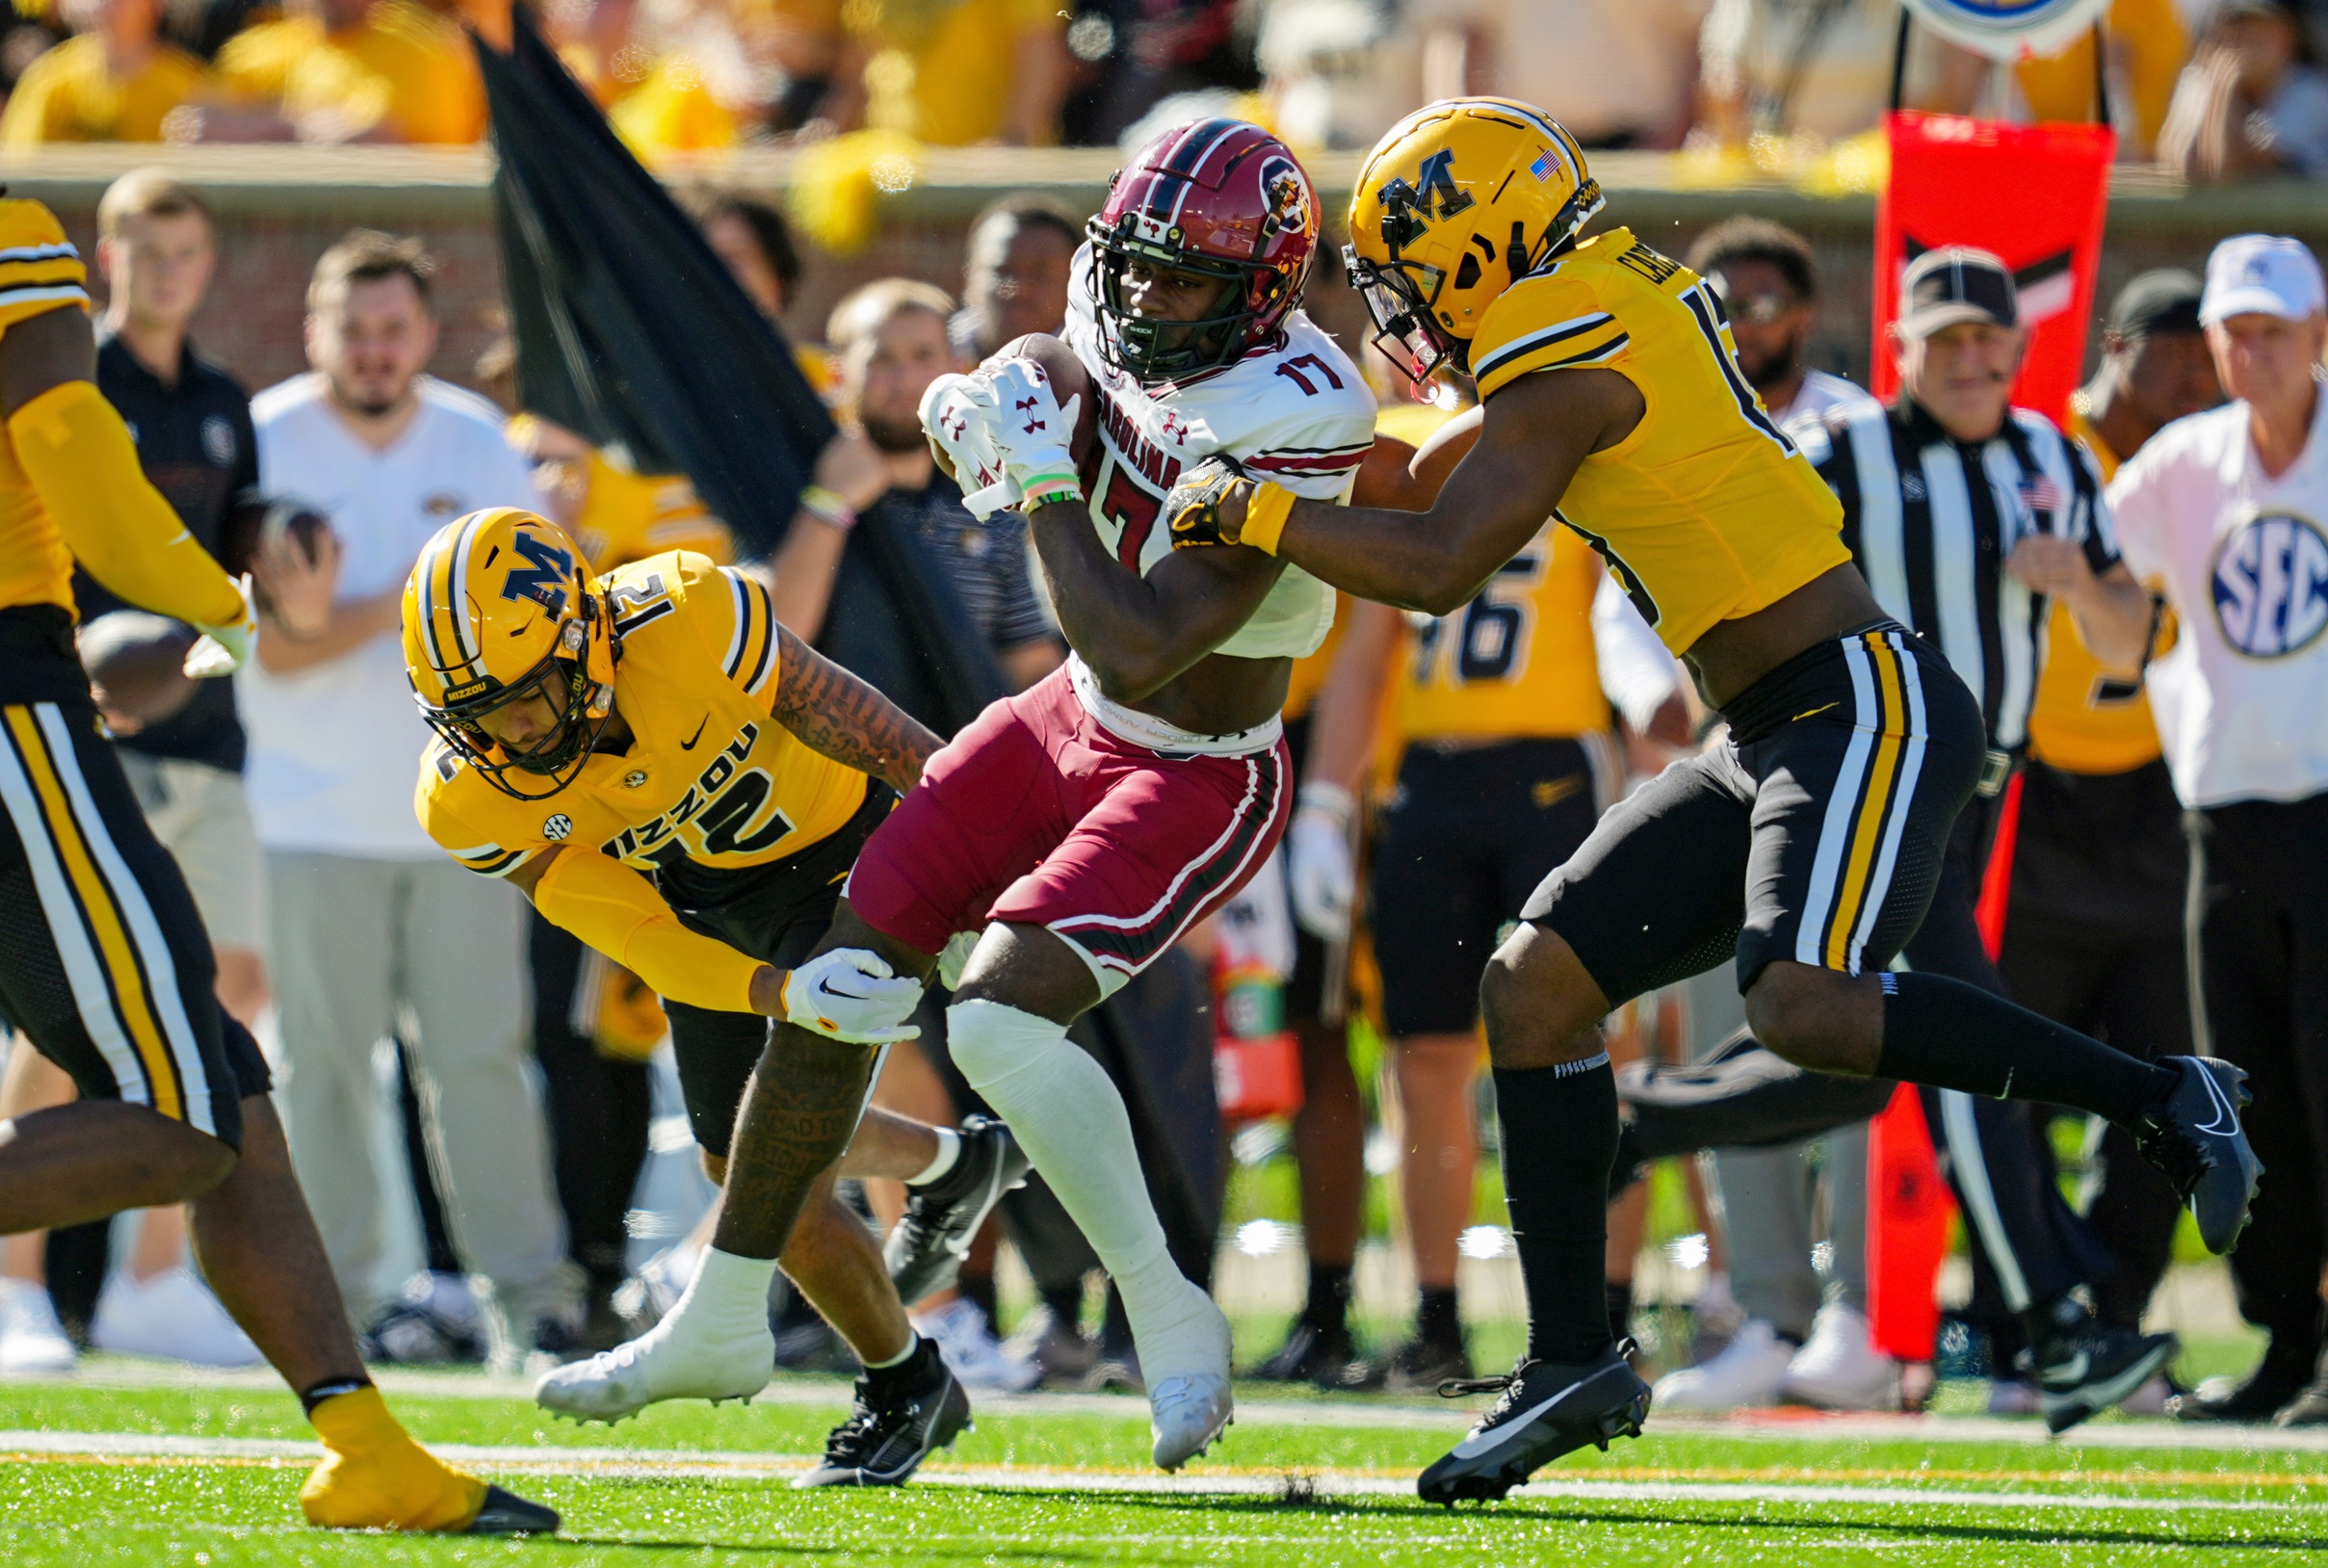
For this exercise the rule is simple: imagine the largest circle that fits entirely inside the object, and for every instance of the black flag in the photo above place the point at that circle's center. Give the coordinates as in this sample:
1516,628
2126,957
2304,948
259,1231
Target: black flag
632,332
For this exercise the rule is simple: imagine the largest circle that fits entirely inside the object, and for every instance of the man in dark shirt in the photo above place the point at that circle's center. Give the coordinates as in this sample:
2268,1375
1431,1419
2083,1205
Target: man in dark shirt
192,423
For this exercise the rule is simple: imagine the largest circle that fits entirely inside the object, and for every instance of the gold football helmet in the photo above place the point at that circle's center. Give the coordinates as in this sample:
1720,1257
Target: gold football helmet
498,609
1457,201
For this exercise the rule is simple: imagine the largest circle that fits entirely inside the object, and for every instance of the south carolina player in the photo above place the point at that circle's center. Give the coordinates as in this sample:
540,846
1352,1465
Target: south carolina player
1090,821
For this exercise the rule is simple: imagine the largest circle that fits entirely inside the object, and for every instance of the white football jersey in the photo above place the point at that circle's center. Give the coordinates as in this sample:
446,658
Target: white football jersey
1299,414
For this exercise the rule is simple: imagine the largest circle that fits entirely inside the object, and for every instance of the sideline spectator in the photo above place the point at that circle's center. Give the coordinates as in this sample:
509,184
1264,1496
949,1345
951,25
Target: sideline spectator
972,72
368,920
1770,290
2093,934
1014,281
349,70
2252,101
2226,508
755,242
1818,67
1616,73
2147,47
114,81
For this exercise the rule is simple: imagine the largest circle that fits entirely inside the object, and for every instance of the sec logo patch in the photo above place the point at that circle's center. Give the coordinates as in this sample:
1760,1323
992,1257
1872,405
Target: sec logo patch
558,827
2272,586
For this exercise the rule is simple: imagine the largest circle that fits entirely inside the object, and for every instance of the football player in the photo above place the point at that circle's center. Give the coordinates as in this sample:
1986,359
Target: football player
677,779
1806,844
1088,822
106,966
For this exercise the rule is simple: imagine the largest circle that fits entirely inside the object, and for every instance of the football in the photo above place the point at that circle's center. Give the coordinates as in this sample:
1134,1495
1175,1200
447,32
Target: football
253,522
1068,379
137,663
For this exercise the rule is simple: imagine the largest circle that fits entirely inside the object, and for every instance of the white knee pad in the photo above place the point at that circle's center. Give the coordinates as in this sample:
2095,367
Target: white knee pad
990,1040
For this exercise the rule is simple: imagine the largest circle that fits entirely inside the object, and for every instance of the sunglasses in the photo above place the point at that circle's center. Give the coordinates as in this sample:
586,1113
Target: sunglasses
1758,309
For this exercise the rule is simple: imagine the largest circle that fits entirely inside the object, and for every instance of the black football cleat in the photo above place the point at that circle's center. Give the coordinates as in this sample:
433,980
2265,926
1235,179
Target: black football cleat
1547,1409
925,1252
2194,1137
1320,1355
2082,1367
901,1416
505,1513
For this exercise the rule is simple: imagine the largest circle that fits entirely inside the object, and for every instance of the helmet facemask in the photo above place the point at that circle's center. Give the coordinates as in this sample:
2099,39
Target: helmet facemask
564,680
1399,296
1154,351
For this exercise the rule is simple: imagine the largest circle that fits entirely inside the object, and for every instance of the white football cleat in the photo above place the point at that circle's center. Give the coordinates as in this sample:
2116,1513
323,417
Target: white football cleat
1188,1413
1838,1367
669,1361
31,1339
1744,1377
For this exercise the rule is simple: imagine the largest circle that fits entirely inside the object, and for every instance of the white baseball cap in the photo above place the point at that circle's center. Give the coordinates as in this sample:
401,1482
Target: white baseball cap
2263,274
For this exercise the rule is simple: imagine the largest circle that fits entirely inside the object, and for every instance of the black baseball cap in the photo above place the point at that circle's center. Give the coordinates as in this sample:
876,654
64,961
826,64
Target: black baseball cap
2165,301
1954,284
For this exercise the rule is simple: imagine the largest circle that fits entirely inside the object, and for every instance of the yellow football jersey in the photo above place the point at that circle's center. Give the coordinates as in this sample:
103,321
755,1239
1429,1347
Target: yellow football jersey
709,777
39,271
1518,660
2085,719
70,94
1705,511
626,516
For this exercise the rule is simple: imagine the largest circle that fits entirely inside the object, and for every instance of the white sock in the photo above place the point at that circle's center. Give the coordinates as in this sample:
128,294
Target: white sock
728,1294
949,1150
1066,1113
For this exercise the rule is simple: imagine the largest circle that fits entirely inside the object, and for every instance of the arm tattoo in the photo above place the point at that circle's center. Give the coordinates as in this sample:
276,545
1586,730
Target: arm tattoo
836,714
798,1117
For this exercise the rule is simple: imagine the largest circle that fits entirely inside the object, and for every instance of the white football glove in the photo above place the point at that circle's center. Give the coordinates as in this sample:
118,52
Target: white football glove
958,416
222,650
851,994
1032,430
1319,862
955,958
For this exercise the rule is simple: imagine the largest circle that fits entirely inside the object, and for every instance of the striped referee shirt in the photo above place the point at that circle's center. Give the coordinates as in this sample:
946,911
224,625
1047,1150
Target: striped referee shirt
1930,520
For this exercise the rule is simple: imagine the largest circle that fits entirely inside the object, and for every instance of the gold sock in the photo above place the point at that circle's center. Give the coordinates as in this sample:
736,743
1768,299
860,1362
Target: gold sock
375,1476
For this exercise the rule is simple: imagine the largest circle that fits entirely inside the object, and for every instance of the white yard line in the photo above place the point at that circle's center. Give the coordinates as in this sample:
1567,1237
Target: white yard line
687,1465
832,1392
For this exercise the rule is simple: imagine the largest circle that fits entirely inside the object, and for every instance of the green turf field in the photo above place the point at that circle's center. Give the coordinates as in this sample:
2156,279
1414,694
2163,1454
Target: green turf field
131,1464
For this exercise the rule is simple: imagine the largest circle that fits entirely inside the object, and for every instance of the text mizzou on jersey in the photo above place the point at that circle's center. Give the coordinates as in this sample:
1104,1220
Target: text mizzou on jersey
1705,511
1296,412
709,777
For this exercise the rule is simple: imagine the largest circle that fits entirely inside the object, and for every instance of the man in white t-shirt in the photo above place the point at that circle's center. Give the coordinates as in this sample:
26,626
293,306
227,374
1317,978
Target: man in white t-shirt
2228,508
367,918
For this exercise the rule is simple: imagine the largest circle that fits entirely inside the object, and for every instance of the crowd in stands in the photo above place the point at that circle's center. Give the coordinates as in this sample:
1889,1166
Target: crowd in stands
291,797
2210,88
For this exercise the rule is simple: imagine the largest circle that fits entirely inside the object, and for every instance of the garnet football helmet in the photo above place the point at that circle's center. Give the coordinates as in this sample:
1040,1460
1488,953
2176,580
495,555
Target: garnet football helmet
1219,198
1458,201
498,608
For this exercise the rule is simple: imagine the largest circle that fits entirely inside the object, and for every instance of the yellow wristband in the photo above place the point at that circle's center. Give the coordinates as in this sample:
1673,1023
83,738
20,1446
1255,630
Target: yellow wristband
1264,517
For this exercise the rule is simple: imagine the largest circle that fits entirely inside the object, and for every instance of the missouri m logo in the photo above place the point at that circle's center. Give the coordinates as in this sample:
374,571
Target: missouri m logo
1406,210
545,581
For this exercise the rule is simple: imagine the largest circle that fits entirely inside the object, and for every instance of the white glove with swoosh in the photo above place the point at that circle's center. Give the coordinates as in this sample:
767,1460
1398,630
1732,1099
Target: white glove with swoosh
851,994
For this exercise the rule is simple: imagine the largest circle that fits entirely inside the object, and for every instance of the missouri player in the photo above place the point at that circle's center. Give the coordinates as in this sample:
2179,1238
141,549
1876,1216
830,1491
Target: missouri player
677,780
107,968
1090,821
1805,845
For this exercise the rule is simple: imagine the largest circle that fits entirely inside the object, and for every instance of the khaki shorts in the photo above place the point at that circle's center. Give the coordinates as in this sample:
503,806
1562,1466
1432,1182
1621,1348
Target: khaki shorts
202,818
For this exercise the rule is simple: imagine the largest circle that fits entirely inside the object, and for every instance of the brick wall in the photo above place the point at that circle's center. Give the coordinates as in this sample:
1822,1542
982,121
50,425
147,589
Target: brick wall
272,231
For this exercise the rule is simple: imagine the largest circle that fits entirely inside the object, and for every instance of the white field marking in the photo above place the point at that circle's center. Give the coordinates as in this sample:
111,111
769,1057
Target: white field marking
1453,1418
667,1464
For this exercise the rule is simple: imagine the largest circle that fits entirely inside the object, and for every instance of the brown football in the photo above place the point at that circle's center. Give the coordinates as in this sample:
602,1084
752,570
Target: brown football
253,521
1068,379
136,662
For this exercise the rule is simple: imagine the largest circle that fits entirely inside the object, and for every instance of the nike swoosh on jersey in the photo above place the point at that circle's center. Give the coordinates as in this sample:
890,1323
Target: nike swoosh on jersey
1812,714
1472,1446
688,745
